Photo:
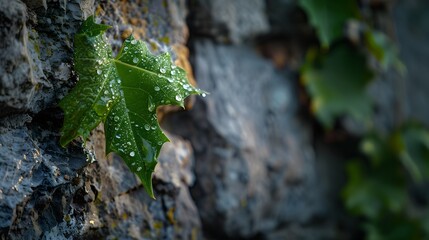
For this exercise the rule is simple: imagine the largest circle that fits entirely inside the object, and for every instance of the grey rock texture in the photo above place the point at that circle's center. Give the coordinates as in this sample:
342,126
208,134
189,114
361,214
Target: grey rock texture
36,54
37,174
121,208
286,17
16,85
412,32
50,192
256,168
229,21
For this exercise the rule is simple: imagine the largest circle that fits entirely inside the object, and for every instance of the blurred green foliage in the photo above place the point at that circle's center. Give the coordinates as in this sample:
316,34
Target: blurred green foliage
336,81
329,17
379,183
337,74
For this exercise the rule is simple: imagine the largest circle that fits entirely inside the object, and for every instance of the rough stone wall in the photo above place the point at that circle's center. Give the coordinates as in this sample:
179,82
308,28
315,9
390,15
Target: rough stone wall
244,163
50,192
258,174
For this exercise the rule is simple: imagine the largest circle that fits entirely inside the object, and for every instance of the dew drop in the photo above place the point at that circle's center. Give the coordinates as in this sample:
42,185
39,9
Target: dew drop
99,72
162,70
150,104
203,94
132,154
135,60
170,80
129,143
139,169
125,48
132,164
178,98
173,72
160,143
133,41
147,127
157,88
151,107
106,92
116,118
118,136
153,127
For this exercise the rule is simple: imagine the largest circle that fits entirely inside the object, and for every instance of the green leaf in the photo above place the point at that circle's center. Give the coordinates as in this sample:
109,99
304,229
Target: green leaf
122,92
371,195
378,189
329,17
337,82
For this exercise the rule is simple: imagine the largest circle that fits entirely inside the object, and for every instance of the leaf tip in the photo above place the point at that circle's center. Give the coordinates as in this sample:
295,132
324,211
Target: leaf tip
63,142
148,186
91,28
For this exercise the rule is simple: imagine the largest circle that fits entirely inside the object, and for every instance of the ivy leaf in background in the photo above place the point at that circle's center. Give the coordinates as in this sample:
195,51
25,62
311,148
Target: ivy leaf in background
377,188
123,93
370,195
329,17
337,82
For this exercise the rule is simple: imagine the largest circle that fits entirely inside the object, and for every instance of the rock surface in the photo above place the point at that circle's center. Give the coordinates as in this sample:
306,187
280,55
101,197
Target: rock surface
229,21
16,85
412,31
256,170
50,192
